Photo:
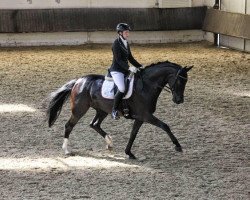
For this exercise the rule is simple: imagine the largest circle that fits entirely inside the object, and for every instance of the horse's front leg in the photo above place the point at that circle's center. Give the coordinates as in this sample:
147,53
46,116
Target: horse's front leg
154,121
136,127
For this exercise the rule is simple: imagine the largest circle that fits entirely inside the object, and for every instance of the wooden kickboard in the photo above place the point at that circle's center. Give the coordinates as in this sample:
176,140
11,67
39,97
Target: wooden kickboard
231,24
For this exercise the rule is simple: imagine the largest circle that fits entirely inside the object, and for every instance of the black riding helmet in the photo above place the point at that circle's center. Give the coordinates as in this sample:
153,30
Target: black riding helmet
122,27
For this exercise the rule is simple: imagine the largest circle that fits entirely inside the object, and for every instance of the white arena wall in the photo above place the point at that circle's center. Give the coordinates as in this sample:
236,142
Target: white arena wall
77,38
50,4
235,6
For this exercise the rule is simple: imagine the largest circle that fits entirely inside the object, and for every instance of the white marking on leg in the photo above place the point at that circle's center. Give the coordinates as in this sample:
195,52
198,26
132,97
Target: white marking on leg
109,141
96,122
65,146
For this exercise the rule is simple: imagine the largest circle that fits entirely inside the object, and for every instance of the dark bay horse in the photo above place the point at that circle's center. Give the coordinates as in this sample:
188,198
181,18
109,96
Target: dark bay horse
85,92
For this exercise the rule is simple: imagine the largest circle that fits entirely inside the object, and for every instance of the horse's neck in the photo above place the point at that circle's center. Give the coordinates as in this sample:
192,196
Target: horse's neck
154,79
159,75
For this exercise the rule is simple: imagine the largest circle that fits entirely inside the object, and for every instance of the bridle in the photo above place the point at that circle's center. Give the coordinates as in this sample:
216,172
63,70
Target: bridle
169,88
165,87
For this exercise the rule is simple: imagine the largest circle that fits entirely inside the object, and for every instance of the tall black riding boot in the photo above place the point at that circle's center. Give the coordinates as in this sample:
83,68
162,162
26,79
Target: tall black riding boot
117,101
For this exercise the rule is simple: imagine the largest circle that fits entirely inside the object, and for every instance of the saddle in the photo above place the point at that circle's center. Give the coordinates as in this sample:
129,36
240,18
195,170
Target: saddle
109,88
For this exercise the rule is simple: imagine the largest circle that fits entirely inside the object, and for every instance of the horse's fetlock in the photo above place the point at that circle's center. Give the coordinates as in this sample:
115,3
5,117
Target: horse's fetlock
108,140
177,144
127,152
94,126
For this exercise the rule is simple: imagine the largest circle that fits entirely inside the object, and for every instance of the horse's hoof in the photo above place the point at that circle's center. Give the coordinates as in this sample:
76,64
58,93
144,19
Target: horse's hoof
69,154
131,156
179,149
110,148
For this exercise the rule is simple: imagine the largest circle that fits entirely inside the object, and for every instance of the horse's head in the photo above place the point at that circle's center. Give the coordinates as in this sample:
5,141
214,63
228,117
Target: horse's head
177,84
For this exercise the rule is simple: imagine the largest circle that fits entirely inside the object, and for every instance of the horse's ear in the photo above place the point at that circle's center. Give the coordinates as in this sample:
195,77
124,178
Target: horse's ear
188,68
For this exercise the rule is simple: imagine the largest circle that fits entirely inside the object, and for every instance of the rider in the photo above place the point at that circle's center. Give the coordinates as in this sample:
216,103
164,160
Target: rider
120,68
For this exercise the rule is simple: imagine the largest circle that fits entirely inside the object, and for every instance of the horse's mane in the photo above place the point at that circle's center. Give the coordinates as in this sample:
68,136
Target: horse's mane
163,62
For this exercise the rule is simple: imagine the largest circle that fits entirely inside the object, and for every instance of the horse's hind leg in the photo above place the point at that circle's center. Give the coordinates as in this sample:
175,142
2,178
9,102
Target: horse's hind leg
77,113
96,125
68,128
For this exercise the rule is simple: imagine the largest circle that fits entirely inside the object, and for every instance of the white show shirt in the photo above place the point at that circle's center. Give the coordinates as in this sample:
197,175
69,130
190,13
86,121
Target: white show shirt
125,42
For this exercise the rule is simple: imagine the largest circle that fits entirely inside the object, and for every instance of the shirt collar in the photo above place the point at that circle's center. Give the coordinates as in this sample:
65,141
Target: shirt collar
125,42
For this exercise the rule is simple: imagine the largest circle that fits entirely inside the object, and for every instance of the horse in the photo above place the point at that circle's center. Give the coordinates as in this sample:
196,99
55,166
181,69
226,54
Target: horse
85,92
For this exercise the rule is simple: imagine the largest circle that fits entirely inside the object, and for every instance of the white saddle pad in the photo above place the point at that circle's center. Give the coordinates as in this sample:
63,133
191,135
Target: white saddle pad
108,89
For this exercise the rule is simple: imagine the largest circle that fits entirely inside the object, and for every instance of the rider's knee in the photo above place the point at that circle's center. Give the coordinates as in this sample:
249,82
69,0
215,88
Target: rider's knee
121,89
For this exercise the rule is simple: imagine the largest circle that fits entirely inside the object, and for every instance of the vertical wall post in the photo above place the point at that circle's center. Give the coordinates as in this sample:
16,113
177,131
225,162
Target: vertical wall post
245,41
216,35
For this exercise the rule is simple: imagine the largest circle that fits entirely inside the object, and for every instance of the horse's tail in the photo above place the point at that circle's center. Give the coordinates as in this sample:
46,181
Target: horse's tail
57,99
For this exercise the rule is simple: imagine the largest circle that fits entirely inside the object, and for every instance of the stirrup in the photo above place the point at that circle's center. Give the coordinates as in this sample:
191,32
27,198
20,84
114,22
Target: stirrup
115,115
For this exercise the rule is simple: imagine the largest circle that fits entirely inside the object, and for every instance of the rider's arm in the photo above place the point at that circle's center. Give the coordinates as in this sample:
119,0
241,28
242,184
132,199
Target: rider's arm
132,59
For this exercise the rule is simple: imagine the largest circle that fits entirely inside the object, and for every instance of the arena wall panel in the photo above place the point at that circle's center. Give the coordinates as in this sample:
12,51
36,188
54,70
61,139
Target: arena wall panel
55,4
78,38
233,42
247,45
174,3
226,23
95,19
235,6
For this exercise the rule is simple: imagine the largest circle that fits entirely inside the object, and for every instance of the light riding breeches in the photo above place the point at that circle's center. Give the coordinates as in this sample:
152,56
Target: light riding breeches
118,78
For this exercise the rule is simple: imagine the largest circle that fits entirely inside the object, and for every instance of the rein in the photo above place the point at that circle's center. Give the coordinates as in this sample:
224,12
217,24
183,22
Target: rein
166,88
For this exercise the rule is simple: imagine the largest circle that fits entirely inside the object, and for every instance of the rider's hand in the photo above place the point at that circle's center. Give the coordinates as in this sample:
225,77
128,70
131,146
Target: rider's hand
133,69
